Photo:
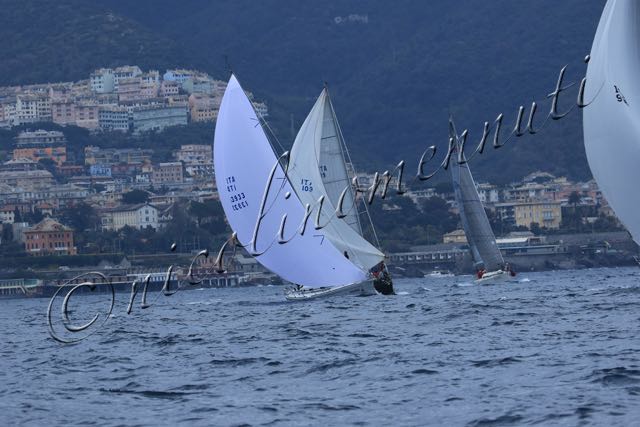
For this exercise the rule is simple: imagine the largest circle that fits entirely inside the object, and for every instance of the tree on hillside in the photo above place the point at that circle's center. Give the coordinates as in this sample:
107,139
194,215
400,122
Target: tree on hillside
80,217
134,197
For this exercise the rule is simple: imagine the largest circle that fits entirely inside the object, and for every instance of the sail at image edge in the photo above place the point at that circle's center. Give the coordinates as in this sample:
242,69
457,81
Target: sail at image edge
612,119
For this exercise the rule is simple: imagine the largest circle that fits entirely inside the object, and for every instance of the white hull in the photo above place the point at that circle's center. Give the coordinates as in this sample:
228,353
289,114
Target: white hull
494,277
360,289
439,275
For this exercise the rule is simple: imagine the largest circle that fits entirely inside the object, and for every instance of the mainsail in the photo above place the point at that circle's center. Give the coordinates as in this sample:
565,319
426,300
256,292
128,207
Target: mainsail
317,168
244,160
332,163
612,120
482,241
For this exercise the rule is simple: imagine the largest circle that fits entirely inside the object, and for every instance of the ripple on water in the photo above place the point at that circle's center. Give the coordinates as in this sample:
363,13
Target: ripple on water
561,349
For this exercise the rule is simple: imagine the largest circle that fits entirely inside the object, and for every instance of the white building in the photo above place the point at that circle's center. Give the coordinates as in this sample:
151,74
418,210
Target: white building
197,159
125,72
113,118
138,216
102,81
488,193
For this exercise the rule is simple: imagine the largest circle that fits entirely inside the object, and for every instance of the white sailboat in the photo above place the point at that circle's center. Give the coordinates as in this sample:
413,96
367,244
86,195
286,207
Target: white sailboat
318,168
487,258
322,262
612,120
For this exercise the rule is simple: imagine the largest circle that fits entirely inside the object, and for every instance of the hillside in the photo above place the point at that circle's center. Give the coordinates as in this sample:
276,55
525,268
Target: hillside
396,69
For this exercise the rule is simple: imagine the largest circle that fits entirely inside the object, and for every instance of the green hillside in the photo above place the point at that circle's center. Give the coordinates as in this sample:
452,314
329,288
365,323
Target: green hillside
396,69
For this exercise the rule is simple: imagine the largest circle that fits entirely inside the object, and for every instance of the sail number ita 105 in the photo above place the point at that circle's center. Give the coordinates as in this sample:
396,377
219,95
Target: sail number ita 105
306,185
237,198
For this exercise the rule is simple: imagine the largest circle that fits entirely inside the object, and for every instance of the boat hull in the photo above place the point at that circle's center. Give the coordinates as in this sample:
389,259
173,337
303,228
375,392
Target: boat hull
365,288
491,277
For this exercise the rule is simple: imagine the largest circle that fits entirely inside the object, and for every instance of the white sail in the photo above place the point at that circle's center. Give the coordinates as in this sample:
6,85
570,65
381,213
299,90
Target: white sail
332,164
305,176
612,121
243,160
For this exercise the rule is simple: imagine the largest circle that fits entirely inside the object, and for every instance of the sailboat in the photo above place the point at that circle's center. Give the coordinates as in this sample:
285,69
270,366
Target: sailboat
318,168
612,119
487,258
259,195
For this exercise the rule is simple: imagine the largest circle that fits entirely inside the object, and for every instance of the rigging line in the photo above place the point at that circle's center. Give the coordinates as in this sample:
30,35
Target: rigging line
348,155
265,125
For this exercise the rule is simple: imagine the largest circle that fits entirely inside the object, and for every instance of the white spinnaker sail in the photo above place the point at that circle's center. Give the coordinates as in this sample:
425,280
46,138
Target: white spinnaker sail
243,160
612,121
332,164
304,174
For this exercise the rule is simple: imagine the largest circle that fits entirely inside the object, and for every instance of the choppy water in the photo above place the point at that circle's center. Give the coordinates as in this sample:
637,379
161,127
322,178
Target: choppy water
557,348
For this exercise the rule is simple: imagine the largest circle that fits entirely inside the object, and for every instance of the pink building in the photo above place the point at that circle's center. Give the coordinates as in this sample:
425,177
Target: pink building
63,111
169,88
129,89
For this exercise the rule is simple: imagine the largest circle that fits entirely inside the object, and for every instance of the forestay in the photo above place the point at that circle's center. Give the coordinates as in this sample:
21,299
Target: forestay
243,160
307,163
482,241
612,120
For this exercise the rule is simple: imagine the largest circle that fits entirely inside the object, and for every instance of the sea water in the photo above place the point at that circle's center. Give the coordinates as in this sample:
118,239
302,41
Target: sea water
553,348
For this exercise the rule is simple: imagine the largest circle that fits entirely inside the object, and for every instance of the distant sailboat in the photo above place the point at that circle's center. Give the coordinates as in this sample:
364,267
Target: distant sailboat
612,120
488,261
244,160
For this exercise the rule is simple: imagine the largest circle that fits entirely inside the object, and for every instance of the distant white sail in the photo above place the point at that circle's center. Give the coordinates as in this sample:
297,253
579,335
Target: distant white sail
612,121
243,161
308,156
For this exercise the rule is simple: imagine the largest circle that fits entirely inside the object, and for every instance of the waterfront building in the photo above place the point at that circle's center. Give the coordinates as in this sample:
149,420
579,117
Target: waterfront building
155,118
455,236
49,237
545,213
138,216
